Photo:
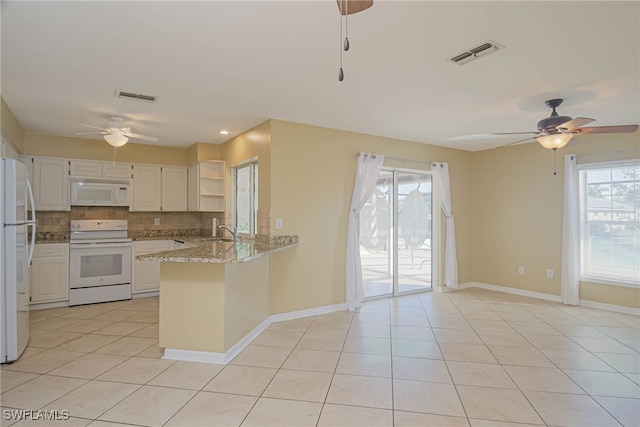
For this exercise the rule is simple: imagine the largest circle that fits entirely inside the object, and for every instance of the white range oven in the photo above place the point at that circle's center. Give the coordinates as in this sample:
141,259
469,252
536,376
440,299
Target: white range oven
99,261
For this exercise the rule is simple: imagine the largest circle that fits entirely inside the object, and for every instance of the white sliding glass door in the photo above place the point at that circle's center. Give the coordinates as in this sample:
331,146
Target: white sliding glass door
395,234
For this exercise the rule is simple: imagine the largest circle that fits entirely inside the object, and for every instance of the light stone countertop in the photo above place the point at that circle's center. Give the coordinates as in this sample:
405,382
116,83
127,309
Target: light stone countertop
218,251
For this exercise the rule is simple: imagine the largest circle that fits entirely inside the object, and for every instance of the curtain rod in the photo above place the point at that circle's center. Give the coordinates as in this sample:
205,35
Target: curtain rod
400,160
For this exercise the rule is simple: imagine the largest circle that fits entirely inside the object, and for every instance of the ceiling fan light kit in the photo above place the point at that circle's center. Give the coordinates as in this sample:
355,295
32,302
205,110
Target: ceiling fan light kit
117,133
116,139
553,142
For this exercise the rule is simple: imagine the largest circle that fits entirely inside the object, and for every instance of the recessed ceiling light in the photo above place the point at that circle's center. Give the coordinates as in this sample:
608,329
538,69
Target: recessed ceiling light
224,132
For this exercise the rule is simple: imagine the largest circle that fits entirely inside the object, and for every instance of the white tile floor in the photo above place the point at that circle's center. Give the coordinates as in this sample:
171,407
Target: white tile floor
473,357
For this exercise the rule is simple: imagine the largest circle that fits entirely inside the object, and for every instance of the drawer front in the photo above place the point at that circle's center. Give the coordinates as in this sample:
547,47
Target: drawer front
43,250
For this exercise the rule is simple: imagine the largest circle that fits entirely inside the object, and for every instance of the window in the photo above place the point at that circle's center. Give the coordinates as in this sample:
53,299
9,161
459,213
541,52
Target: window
610,222
246,197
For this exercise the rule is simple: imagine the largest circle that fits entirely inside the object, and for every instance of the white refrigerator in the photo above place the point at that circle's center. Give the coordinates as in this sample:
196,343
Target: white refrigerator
17,216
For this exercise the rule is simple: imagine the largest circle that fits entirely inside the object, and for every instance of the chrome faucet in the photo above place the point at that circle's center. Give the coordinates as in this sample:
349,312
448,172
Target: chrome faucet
233,232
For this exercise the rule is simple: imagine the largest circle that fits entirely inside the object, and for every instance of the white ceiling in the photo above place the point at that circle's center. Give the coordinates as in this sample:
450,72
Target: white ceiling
232,65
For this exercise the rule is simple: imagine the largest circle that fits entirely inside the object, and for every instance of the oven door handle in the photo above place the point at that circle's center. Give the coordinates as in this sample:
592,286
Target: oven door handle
99,245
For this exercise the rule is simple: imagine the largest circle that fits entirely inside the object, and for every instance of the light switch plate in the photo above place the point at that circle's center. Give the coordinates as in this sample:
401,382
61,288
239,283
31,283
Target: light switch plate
278,223
156,221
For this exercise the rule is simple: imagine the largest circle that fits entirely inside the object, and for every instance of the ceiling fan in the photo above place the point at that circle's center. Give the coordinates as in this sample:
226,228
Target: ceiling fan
556,131
116,133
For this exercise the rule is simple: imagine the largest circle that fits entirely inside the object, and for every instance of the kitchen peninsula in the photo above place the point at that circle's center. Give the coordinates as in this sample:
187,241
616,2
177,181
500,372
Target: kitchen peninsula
214,295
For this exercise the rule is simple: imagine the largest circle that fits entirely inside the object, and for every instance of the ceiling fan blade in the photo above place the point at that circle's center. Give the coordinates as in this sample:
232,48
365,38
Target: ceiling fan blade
91,133
516,142
515,133
353,6
609,129
576,123
93,127
138,136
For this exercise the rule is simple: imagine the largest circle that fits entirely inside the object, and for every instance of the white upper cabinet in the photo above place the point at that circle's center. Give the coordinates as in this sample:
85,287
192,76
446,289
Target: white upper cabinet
159,188
51,184
85,168
207,186
154,188
174,189
147,188
118,170
8,151
91,168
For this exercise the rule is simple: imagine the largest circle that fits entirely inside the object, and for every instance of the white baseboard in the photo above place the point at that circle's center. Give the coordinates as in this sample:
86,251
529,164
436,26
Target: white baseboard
145,295
46,305
585,303
246,340
515,291
194,356
224,358
316,311
610,307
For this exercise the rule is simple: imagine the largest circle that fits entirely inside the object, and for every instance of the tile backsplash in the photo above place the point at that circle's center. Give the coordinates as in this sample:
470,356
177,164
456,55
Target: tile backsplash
198,222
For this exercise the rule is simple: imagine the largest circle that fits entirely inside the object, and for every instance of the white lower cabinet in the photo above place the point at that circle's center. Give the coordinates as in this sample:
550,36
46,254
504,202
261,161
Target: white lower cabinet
50,273
146,274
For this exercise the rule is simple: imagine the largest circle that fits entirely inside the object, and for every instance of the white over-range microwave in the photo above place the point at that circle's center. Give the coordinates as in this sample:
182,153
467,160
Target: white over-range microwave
88,193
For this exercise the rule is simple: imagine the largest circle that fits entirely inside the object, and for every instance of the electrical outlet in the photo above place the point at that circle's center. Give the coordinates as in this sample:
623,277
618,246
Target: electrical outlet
156,221
549,273
521,269
278,223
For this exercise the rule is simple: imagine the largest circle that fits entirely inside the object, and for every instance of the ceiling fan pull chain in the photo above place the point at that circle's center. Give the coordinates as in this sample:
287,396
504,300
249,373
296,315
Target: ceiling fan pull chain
340,72
346,26
555,155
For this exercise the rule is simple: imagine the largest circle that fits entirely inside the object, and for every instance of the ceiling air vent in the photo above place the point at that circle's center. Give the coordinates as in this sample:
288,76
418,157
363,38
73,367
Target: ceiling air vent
476,52
135,96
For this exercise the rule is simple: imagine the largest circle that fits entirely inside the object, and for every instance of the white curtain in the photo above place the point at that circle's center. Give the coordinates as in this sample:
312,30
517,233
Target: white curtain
570,234
369,166
441,184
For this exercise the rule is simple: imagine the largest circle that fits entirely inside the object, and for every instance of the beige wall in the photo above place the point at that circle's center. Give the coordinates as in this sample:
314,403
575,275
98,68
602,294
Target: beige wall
517,207
201,151
312,175
36,144
10,127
